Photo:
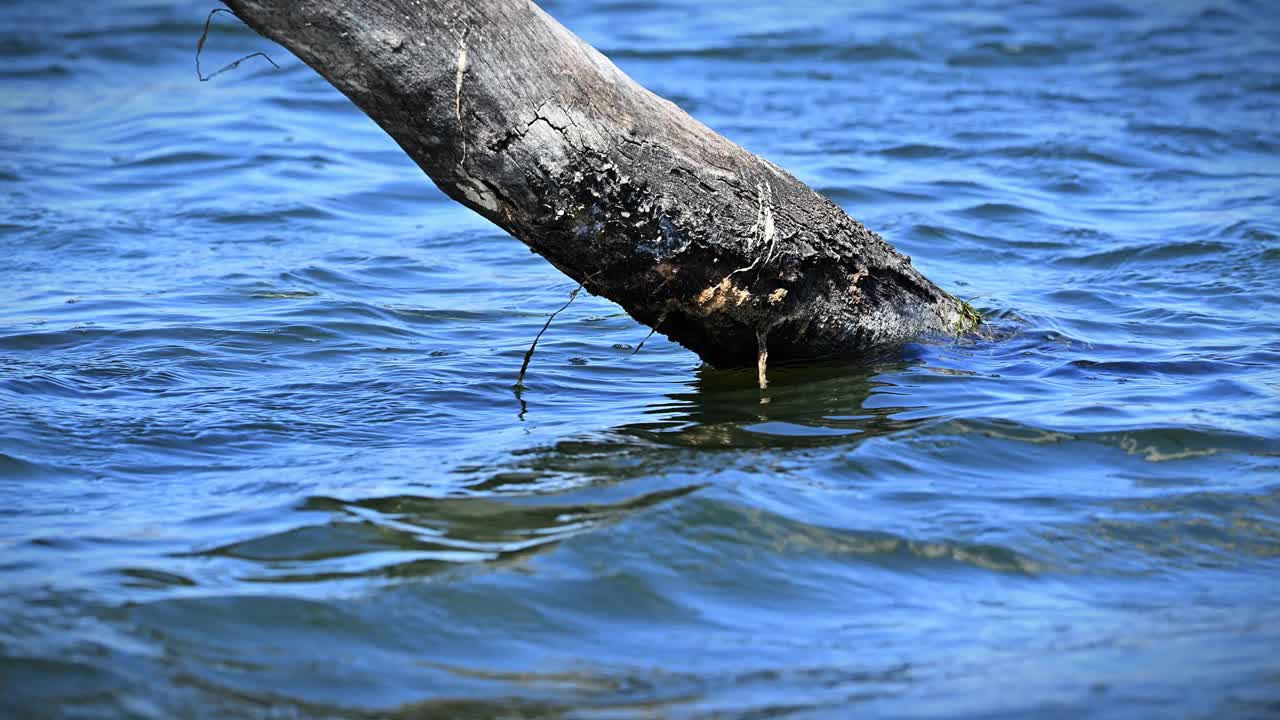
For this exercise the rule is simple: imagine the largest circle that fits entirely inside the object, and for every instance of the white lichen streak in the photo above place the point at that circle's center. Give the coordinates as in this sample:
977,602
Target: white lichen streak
768,231
756,229
457,98
462,72
764,233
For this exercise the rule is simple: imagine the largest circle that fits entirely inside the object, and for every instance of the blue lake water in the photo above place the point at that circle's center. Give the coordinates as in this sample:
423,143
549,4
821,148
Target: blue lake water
260,454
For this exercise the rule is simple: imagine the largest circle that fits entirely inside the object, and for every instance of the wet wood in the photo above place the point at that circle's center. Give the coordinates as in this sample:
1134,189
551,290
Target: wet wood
520,120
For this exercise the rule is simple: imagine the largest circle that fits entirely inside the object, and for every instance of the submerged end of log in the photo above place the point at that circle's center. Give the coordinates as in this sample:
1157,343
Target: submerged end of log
520,120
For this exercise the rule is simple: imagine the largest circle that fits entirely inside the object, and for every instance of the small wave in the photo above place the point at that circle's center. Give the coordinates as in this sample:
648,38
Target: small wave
284,294
40,72
153,579
1146,254
1113,156
267,216
866,195
412,536
174,158
16,468
23,45
723,523
1150,368
992,211
1184,130
46,385
1252,231
1164,534
917,151
1155,444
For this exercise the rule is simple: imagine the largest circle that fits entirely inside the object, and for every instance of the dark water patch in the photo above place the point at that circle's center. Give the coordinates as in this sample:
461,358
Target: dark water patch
867,194
1186,79
1007,54
284,294
24,45
145,578
1215,14
1099,11
449,316
873,53
32,682
177,157
916,151
1188,132
15,468
984,136
263,217
1156,252
991,211
1112,155
323,103
1070,187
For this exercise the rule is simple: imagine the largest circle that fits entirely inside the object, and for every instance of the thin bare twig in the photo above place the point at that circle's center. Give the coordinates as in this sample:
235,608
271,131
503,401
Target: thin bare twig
200,46
661,319
524,366
645,340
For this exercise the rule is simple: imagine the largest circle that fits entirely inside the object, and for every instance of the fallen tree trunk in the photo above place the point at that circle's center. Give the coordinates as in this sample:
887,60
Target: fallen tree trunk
523,122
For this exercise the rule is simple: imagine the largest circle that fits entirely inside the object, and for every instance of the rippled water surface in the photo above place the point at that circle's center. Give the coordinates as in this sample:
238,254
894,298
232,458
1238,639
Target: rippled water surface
260,453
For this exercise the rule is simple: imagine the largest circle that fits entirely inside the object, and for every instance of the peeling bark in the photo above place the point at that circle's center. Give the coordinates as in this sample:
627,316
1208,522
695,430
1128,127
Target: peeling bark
520,120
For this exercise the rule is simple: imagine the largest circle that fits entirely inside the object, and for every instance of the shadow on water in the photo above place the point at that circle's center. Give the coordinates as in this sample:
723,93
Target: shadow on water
805,407
810,406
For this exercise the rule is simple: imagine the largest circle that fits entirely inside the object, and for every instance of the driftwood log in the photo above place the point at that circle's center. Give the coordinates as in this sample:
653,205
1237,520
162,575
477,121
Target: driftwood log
520,120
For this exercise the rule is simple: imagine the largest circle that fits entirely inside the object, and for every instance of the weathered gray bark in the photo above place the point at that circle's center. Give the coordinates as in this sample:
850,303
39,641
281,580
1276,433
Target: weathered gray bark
520,120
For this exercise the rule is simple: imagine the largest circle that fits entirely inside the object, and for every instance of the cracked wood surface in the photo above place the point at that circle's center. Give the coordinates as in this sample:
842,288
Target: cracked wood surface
520,120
